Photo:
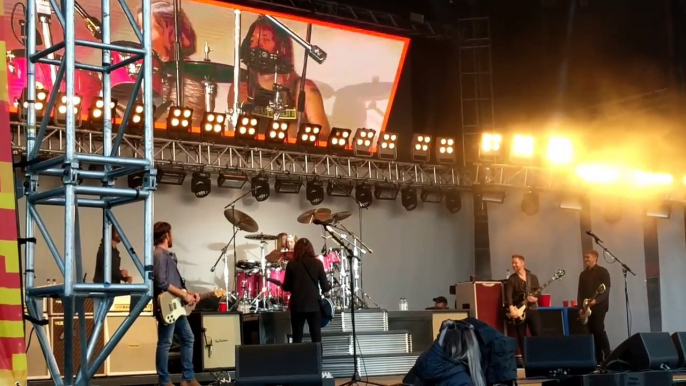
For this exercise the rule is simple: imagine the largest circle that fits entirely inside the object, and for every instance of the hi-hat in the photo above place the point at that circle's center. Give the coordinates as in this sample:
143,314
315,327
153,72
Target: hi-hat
261,237
339,216
241,220
320,214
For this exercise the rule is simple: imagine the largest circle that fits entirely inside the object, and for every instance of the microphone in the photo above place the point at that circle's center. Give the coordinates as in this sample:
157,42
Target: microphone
93,24
597,239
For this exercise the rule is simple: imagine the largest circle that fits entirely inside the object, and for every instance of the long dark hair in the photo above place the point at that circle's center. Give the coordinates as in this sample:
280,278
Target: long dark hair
163,14
460,344
303,250
284,44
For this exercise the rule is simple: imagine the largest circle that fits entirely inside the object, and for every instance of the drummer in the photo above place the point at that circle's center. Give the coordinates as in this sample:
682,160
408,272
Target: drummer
276,255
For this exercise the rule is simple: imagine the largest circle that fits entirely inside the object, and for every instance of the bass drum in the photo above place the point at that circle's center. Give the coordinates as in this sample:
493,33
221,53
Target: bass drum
327,309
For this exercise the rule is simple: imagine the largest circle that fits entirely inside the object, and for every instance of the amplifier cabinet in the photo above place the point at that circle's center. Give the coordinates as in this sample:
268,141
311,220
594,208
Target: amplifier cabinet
57,341
135,352
37,365
438,317
483,300
216,336
55,307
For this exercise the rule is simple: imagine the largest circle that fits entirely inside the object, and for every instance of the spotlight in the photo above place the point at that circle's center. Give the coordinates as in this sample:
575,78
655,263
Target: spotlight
490,148
431,195
308,135
213,125
314,191
247,128
453,201
96,112
560,151
363,141
231,180
363,195
135,180
420,148
61,109
171,176
530,203
445,150
41,103
522,150
137,117
179,121
408,197
260,187
338,139
386,191
388,146
337,188
277,132
288,185
201,185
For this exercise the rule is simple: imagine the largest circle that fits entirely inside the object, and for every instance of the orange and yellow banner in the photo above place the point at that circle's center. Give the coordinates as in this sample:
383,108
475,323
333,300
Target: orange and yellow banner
13,366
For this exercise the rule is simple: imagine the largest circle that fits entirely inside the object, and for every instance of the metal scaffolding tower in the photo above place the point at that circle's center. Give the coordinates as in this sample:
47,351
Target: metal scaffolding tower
72,196
476,84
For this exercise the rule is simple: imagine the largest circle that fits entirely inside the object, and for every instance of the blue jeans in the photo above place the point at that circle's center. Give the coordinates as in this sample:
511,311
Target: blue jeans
165,334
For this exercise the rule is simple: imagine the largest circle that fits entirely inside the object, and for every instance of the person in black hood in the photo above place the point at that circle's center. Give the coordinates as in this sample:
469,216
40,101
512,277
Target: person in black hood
454,359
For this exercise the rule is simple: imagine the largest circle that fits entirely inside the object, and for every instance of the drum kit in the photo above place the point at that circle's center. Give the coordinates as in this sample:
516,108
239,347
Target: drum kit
258,282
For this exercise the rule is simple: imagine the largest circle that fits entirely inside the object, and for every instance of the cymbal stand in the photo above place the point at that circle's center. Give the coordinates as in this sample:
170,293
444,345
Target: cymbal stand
235,230
209,86
357,293
236,108
263,293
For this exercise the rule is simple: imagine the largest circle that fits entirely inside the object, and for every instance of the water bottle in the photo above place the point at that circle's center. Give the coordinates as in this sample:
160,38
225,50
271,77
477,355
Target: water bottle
401,304
405,308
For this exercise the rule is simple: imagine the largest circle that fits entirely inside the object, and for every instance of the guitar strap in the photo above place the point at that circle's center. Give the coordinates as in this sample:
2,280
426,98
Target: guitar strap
316,283
176,267
528,286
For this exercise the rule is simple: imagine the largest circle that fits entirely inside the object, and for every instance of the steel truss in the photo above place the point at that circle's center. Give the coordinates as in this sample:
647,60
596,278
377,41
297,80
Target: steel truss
74,290
211,157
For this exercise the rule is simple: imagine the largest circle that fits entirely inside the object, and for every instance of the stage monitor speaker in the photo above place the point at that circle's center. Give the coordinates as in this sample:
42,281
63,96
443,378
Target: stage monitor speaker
546,356
644,378
644,351
217,334
679,340
552,322
37,366
279,364
135,352
57,340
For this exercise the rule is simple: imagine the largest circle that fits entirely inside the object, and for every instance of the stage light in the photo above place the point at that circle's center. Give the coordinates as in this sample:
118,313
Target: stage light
171,176
314,191
408,198
388,146
431,195
135,180
560,151
96,113
277,132
179,120
491,146
247,128
386,191
212,125
420,148
41,102
453,201
137,117
339,138
522,148
363,195
260,187
363,141
659,210
201,185
649,180
597,174
308,135
61,109
336,188
445,150
287,185
231,180
530,203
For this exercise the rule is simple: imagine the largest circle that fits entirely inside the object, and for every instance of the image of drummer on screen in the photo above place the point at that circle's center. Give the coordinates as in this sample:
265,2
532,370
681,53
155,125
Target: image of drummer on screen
263,37
163,31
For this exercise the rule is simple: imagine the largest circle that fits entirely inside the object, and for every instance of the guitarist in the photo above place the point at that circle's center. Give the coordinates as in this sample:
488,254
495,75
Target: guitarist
519,287
589,280
168,279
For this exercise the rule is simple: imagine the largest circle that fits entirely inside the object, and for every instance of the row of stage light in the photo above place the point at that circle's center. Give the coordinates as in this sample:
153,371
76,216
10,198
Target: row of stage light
252,130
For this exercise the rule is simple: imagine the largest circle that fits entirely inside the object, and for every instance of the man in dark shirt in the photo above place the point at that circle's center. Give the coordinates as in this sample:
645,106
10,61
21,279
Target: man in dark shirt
440,303
168,279
589,280
519,287
118,275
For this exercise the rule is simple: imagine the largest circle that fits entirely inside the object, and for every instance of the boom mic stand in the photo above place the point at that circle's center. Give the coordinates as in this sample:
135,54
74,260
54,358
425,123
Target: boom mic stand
625,269
356,372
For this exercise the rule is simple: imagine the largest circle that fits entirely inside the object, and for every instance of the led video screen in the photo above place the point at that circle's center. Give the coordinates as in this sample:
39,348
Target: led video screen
352,88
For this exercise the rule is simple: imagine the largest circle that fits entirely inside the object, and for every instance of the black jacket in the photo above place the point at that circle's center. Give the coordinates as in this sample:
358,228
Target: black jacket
99,275
303,280
589,281
435,368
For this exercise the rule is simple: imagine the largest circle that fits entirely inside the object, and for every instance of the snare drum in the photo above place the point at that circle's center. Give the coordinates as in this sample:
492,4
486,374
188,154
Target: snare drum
248,286
123,79
248,265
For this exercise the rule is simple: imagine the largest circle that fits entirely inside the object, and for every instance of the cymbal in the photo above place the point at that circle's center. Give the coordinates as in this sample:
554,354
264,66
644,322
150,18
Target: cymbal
261,237
203,70
320,214
339,216
241,220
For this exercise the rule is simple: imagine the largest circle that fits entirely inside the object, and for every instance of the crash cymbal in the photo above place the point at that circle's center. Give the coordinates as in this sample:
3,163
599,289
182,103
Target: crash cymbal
261,237
339,216
202,70
320,214
241,220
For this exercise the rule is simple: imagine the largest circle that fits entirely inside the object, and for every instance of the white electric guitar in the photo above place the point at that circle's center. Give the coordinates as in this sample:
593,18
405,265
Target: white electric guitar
172,307
586,307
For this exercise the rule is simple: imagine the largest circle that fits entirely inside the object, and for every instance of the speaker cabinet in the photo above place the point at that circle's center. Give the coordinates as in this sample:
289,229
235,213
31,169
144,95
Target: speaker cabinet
57,339
644,351
279,364
37,366
57,309
483,300
545,356
438,317
135,352
217,334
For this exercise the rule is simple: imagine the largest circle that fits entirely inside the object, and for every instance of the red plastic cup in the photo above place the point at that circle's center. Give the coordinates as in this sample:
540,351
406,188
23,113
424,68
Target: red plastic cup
565,303
574,303
545,300
222,307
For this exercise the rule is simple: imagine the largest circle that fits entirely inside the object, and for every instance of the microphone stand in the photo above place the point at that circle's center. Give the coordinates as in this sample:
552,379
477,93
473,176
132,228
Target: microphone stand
625,269
356,372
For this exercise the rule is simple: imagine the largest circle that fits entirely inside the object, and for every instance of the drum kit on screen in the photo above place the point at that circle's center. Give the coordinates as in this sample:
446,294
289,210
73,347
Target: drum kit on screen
258,283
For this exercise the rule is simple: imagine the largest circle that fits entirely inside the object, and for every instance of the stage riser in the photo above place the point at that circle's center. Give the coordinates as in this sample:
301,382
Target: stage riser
365,321
391,343
369,366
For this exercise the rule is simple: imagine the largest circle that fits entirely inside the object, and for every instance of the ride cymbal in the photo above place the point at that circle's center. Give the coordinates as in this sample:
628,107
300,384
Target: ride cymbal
339,216
320,214
241,220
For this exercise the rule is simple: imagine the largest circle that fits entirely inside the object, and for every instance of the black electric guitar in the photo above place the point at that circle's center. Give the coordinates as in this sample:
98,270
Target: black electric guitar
522,304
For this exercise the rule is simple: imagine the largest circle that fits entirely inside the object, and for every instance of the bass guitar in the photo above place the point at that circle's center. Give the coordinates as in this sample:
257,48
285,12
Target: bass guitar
172,307
522,304
587,304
